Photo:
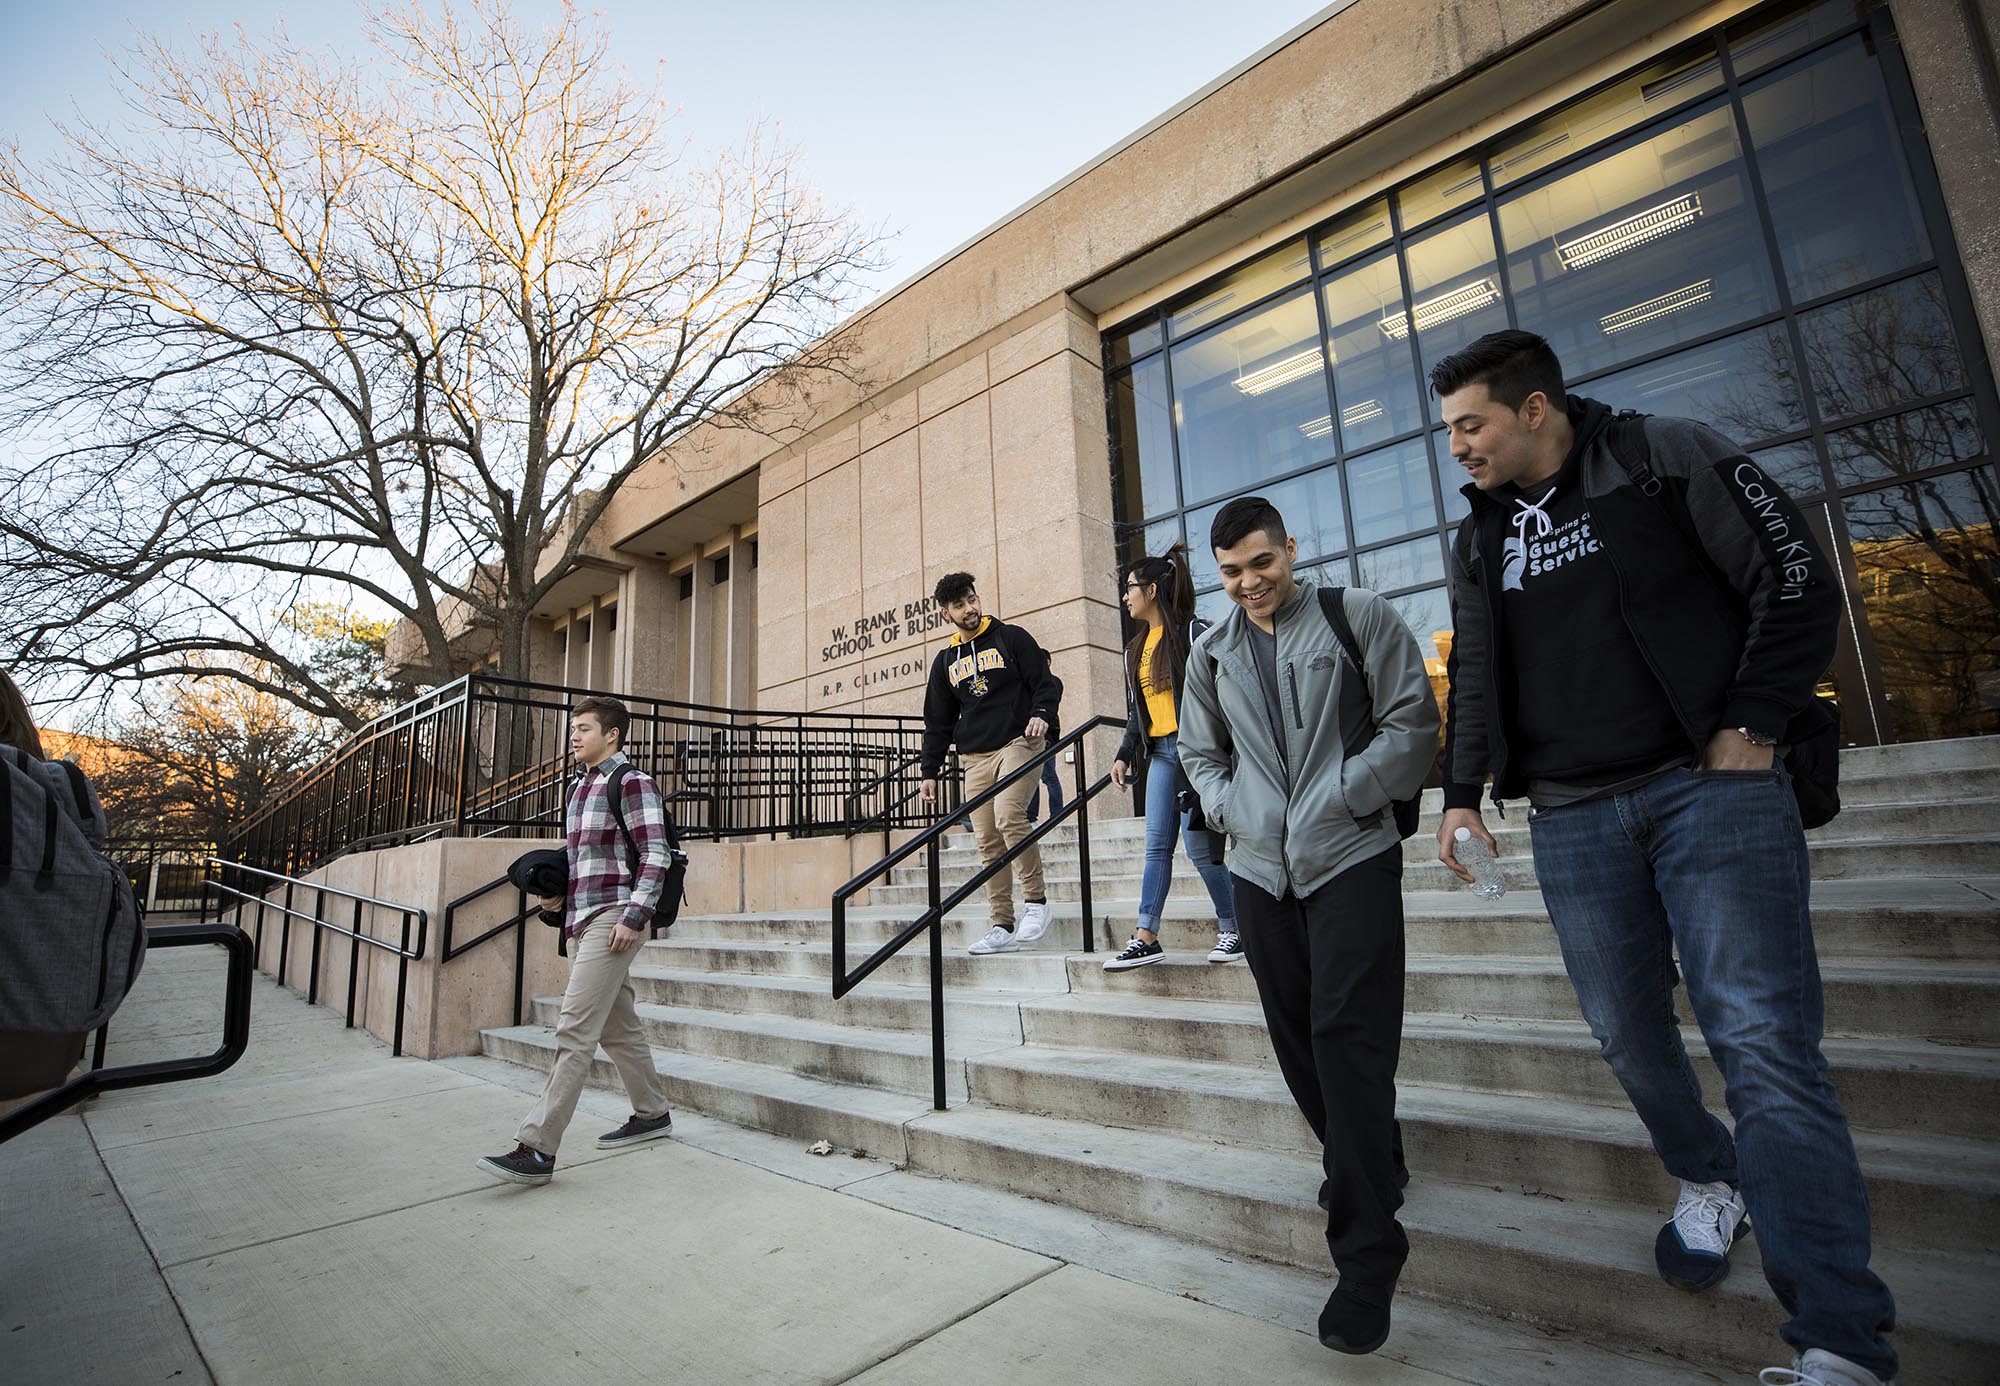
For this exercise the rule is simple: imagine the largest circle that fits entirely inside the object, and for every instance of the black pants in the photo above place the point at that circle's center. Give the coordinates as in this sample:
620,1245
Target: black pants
1329,971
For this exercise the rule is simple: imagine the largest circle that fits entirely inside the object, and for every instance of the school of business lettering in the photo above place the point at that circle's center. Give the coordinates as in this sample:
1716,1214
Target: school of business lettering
875,629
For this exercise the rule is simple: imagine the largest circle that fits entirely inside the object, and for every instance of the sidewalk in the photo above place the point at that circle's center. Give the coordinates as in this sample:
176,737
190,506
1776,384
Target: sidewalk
313,1215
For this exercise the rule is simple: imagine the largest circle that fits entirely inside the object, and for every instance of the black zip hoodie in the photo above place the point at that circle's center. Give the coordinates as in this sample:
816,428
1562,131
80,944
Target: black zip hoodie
983,690
1736,626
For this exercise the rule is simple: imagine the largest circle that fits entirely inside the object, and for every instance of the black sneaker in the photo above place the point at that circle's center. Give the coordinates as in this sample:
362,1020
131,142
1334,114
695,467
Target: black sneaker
525,1166
1356,1318
1136,954
637,1129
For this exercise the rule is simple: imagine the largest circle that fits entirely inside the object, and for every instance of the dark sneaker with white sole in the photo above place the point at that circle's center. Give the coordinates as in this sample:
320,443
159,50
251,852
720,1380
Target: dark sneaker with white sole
1228,948
637,1129
525,1166
1137,954
1692,1250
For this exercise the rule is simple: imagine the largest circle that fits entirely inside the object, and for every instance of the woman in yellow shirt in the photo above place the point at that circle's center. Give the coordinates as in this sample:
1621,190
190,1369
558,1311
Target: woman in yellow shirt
1159,593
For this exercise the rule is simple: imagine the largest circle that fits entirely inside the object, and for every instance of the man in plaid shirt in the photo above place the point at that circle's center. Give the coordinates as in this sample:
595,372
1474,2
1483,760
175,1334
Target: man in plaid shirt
608,912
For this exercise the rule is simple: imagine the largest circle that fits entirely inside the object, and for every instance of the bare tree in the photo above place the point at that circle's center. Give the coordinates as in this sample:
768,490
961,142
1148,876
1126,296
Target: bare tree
400,328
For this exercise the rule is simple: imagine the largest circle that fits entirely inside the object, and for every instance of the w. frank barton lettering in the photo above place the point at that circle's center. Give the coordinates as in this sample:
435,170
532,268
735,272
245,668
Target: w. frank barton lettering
874,630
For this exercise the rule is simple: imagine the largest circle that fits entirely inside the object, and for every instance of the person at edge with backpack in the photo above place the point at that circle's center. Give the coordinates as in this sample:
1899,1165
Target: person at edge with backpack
607,914
1640,615
1307,727
1159,597
72,935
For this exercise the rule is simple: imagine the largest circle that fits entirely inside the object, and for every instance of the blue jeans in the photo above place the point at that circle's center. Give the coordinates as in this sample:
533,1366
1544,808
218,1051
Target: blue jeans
1164,822
1052,781
1712,866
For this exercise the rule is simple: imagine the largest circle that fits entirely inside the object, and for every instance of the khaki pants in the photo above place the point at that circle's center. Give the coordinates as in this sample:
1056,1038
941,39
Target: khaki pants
598,1007
1004,822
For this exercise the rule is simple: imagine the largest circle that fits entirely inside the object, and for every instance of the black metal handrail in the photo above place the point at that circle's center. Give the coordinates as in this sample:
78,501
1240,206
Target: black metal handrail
235,1034
404,951
518,922
932,919
486,756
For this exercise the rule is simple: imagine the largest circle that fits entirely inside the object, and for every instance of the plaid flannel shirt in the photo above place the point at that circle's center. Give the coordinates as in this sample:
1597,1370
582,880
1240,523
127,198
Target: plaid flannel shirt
600,873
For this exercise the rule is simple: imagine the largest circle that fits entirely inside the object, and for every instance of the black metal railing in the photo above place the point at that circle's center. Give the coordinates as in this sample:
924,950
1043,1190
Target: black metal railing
167,872
930,841
235,1034
486,756
257,891
518,922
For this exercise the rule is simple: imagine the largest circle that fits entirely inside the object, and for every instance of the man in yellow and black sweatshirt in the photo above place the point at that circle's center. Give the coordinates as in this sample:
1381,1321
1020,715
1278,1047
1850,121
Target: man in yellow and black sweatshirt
992,694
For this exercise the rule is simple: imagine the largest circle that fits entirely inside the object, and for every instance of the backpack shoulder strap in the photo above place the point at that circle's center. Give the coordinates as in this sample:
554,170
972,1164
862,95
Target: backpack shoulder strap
1627,437
1333,606
614,789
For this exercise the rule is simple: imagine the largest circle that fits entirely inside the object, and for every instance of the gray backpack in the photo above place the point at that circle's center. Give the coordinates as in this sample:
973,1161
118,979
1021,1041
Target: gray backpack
72,939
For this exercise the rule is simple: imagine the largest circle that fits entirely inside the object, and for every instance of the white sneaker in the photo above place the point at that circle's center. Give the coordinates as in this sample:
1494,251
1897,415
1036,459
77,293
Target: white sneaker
997,940
1692,1250
1818,1367
1034,922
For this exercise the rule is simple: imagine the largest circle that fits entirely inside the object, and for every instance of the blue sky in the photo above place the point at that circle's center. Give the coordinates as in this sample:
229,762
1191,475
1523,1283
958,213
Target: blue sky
932,119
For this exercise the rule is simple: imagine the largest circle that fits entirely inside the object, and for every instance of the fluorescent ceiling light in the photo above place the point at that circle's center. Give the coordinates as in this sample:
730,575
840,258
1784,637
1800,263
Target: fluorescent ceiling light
1350,416
1280,372
1456,304
1700,292
1621,236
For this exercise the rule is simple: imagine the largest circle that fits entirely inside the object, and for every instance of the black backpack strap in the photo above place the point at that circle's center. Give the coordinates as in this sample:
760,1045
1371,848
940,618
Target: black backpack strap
1627,437
1333,606
614,787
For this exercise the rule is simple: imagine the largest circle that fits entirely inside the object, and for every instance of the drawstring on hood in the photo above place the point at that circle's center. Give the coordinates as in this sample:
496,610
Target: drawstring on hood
1532,510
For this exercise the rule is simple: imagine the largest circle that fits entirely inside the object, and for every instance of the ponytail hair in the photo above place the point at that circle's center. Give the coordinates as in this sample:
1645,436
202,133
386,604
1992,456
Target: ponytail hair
1173,584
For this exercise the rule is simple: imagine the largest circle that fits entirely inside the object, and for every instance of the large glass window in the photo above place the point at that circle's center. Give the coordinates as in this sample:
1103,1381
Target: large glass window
1374,374
1454,289
1640,249
1145,438
1732,233
1839,191
1930,580
1246,398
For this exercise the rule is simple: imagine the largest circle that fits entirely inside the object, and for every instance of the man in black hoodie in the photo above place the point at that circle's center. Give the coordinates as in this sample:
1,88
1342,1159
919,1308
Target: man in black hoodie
993,694
1640,614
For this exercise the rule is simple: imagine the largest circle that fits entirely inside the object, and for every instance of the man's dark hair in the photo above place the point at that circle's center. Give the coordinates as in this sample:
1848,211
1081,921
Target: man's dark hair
611,715
1511,365
951,587
1242,517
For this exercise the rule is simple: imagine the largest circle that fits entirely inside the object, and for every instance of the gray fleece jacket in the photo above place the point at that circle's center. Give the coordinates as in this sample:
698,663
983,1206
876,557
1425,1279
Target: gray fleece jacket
1298,819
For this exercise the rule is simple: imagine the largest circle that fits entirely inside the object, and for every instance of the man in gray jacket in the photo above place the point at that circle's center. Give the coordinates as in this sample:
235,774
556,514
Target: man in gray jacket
1299,758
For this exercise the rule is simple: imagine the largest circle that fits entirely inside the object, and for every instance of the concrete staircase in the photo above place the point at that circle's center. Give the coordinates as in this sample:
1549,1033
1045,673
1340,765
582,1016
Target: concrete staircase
1151,1097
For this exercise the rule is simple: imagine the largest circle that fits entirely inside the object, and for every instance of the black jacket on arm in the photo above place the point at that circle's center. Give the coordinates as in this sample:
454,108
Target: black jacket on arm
1737,631
1019,685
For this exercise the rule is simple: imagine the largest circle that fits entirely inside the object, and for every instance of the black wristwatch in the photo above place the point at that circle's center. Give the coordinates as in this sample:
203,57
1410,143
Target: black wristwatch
1756,738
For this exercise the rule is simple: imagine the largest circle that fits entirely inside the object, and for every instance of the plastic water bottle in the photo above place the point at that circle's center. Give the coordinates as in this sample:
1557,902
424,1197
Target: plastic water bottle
1487,882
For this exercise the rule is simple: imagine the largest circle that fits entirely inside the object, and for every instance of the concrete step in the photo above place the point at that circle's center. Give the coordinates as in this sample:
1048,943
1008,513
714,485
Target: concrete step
1119,875
892,1060
1517,1255
1906,919
852,1117
976,1015
1916,823
1019,971
1941,1002
1923,1190
1942,1090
